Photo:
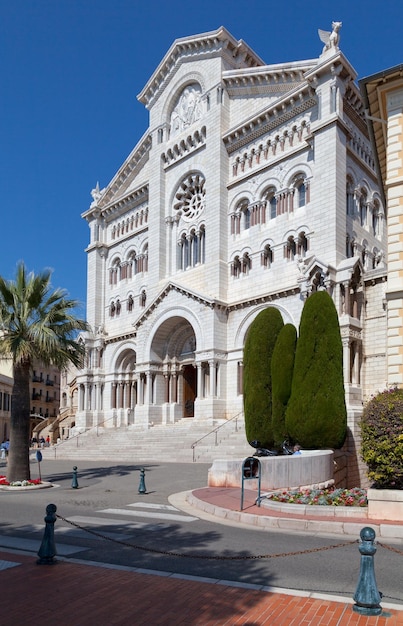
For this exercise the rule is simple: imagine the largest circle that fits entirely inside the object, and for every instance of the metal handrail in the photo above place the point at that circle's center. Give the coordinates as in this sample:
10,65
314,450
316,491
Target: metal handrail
215,431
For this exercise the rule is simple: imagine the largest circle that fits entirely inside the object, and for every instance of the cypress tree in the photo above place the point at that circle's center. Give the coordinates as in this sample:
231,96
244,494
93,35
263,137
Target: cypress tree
257,389
282,367
316,414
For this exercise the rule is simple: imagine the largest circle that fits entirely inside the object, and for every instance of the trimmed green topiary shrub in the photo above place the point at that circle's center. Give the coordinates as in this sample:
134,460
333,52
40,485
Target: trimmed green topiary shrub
257,388
382,439
316,414
282,367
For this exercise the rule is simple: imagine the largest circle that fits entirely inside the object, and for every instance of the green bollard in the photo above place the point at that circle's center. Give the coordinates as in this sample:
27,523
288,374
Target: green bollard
142,484
47,551
74,482
367,597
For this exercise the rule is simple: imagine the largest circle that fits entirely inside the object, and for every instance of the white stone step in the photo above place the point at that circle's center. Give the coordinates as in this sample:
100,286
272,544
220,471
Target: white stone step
161,442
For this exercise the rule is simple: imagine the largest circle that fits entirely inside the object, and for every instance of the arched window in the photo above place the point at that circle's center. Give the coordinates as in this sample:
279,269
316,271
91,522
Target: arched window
290,248
183,247
145,258
267,256
375,218
246,217
241,265
301,245
191,248
301,195
350,196
114,272
131,265
246,264
271,201
141,261
236,267
363,207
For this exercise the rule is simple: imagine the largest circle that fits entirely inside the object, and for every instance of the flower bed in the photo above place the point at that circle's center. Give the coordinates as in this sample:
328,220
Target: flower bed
322,497
19,483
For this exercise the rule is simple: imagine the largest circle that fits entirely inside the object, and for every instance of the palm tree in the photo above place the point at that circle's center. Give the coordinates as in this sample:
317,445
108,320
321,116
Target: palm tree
37,323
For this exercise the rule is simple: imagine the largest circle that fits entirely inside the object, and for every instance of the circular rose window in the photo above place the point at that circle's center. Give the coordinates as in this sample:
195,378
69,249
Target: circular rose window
190,197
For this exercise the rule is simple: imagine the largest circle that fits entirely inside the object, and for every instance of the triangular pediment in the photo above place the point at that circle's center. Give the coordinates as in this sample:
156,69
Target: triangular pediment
215,43
348,267
185,292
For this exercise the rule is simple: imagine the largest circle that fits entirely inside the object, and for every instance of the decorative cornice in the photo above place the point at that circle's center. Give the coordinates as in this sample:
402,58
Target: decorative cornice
269,79
133,199
119,182
272,297
123,337
295,103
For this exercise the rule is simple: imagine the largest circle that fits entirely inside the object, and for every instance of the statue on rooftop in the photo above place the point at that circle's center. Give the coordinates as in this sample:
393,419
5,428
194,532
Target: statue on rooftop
330,39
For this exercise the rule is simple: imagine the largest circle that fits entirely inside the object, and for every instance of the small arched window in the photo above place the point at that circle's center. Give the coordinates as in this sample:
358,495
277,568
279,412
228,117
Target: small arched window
301,245
271,200
246,263
267,256
301,195
290,248
350,196
375,218
236,267
363,207
246,217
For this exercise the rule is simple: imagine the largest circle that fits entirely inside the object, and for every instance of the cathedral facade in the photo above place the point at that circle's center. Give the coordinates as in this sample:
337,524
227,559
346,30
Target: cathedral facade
253,186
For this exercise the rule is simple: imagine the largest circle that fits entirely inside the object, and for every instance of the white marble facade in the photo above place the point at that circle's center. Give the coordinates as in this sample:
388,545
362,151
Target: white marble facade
253,186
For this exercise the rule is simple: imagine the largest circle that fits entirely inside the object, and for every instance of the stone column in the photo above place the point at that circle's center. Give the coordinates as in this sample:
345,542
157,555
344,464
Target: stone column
212,376
346,359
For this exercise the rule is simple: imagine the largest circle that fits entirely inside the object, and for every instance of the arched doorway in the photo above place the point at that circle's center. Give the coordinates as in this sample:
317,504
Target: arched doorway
173,353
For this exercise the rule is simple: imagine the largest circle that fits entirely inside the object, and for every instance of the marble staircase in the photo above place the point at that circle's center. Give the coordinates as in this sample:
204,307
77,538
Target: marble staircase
224,439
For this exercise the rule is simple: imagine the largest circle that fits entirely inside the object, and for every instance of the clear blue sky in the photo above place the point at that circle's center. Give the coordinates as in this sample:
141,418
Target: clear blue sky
69,116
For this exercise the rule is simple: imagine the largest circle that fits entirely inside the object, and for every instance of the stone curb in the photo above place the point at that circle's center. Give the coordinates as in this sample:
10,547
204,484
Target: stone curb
42,485
290,524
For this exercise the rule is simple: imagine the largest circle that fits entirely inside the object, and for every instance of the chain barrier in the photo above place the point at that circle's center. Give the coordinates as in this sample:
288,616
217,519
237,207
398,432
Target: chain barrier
206,556
391,548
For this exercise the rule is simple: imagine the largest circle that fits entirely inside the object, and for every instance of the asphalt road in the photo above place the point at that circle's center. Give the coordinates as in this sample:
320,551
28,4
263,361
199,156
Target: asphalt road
144,530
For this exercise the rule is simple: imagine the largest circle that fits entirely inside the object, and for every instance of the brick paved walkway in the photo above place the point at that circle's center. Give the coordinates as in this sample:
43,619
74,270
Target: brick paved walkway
76,594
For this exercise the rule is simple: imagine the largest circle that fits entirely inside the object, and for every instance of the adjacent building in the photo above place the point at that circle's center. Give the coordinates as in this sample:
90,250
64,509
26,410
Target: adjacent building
253,186
6,389
383,99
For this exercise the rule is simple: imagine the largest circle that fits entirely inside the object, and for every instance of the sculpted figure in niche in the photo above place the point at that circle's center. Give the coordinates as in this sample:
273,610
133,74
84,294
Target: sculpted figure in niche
330,39
188,109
